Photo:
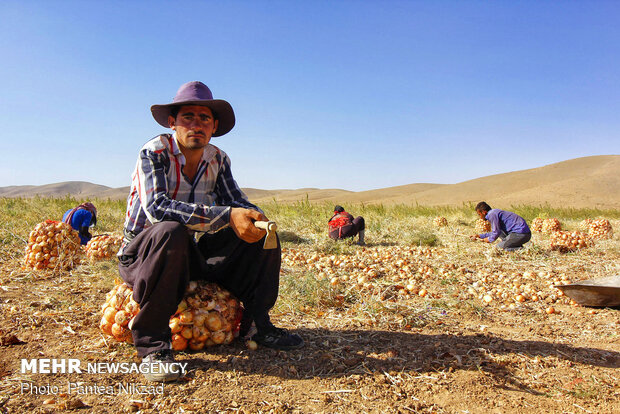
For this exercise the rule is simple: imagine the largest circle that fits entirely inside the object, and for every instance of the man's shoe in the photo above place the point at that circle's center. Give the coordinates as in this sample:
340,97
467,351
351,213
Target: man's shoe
278,338
159,366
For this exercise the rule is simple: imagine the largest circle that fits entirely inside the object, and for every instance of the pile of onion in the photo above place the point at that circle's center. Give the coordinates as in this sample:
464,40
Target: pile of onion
409,271
537,224
550,225
440,221
600,229
565,241
207,316
52,245
483,226
103,246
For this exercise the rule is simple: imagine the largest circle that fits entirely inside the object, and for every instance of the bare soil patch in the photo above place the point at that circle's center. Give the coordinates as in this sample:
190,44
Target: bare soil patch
447,352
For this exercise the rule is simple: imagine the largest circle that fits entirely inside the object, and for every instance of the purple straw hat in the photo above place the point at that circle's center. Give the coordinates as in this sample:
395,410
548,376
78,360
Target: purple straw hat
197,93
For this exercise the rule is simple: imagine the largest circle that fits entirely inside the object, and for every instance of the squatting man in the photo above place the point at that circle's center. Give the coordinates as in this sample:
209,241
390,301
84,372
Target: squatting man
183,184
509,227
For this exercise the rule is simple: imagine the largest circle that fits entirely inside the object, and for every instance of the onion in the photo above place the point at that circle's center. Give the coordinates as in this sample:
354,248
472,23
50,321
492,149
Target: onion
119,332
203,334
109,314
122,318
182,306
196,345
199,318
179,343
175,325
186,317
218,337
213,321
186,332
105,326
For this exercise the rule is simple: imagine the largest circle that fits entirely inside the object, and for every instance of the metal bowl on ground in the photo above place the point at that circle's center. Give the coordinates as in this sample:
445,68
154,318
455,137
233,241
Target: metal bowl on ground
602,291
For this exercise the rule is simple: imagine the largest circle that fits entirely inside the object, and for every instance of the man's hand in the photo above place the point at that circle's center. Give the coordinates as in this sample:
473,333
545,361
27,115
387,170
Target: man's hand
242,222
477,237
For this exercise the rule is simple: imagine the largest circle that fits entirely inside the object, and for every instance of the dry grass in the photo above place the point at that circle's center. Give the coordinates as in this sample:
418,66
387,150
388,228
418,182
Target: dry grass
456,261
303,227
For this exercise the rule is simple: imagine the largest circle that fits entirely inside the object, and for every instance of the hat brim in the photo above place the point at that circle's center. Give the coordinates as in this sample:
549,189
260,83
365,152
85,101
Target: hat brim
222,111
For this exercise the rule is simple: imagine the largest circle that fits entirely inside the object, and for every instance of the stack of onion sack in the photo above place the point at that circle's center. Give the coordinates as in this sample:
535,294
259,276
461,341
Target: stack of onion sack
103,246
537,224
600,229
565,241
207,316
440,222
550,225
52,245
483,226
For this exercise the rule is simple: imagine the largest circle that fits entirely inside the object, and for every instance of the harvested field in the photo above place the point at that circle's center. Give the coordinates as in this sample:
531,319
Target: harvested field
420,320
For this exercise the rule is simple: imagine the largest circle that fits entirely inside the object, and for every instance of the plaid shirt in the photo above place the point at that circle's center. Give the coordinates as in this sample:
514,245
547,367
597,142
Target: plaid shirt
161,192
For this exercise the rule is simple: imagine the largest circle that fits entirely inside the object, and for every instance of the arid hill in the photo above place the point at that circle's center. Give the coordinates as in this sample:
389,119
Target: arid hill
581,182
77,189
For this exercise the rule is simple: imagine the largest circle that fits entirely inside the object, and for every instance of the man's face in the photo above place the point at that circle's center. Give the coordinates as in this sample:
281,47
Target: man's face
194,126
481,214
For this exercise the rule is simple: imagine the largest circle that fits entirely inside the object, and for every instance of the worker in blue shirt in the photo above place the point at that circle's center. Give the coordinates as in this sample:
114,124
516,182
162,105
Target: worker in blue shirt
81,218
510,228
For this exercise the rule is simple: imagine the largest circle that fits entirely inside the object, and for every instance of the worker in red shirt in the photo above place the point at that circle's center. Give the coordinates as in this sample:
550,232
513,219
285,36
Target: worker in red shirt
342,225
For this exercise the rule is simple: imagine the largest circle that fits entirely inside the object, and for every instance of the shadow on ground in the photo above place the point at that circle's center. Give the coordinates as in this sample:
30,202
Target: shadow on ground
344,353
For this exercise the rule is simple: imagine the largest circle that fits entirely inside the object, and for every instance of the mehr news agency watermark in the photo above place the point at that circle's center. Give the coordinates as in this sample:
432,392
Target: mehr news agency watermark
75,366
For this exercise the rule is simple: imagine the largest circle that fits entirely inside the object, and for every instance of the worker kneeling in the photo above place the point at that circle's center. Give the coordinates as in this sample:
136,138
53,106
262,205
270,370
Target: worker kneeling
509,227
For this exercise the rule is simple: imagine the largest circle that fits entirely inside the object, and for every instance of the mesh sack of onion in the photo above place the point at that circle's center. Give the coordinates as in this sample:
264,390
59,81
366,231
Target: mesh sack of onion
103,246
52,245
207,316
565,241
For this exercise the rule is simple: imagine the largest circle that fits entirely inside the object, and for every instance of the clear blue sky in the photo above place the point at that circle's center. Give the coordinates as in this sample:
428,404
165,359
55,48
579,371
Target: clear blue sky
330,94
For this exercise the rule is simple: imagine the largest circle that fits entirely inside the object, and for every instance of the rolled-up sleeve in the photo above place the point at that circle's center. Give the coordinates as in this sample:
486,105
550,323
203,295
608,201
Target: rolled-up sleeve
159,206
495,228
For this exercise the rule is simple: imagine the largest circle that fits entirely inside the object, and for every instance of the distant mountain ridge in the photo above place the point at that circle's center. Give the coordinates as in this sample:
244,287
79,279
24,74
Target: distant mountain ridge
581,182
77,189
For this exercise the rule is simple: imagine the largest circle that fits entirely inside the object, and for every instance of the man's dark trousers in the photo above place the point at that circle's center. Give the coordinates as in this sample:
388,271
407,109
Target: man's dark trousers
513,241
161,260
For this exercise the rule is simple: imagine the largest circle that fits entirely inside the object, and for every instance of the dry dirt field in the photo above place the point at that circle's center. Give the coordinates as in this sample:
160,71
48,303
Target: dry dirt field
392,327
